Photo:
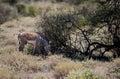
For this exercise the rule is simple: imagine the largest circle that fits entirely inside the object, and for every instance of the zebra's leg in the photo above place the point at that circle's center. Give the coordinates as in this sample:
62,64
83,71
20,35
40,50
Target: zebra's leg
34,49
33,52
47,50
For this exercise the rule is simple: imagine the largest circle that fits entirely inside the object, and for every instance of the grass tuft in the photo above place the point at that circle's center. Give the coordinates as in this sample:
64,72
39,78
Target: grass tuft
64,68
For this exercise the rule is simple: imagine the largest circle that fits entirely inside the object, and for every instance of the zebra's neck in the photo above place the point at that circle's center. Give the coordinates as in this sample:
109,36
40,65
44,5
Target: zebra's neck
42,40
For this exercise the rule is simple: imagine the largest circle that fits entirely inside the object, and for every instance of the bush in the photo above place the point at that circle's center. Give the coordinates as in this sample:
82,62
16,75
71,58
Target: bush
53,1
57,28
76,2
11,2
81,74
63,68
32,11
25,10
83,22
6,13
21,9
114,71
28,49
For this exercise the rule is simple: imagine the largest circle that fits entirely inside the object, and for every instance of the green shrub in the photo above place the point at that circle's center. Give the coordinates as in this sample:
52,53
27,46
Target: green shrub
114,71
53,1
6,13
28,49
76,2
32,11
81,74
11,2
21,9
63,68
56,28
83,22
89,75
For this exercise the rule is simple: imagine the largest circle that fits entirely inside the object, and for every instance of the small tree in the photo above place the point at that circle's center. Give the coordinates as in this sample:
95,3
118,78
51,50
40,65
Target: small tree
108,15
57,29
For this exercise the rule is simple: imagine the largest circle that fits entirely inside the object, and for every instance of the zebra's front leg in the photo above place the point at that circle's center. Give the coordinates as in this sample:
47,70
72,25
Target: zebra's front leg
34,49
47,50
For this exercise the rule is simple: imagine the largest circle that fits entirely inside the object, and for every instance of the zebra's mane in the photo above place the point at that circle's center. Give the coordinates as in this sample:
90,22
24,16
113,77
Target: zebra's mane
43,36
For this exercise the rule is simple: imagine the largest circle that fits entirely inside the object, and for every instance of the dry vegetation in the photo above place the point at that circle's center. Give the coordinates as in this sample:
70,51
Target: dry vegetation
18,65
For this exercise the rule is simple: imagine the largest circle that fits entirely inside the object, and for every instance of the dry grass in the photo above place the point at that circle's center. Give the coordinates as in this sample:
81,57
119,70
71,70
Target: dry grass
7,49
27,21
7,39
10,24
20,62
90,63
64,68
83,74
15,63
18,65
52,8
117,62
114,70
2,36
8,73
